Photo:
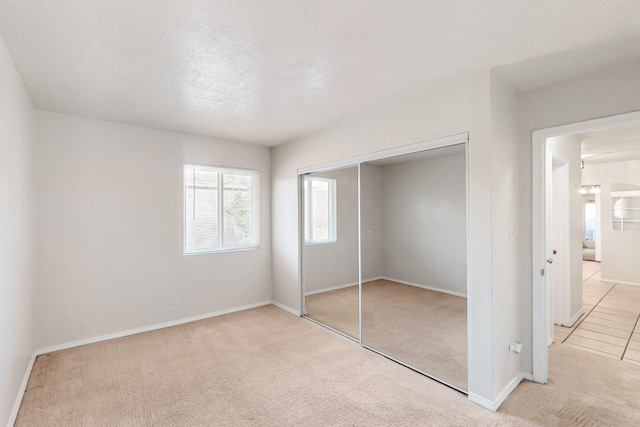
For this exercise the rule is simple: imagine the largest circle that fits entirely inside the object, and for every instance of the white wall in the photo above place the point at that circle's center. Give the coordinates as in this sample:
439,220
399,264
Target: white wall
566,150
620,249
605,93
510,240
110,224
16,233
331,265
372,221
461,106
609,92
423,208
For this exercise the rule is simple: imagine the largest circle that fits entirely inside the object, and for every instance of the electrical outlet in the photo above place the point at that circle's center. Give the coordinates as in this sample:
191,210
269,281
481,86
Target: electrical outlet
174,298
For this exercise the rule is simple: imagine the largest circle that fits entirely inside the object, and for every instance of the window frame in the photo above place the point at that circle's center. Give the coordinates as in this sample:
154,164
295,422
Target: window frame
255,209
332,211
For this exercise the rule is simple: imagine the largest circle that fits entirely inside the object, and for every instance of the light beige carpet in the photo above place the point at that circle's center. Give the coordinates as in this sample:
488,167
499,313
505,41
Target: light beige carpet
265,367
424,329
584,389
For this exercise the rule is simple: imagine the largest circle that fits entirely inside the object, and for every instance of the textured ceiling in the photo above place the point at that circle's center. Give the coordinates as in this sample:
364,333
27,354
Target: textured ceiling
611,145
271,71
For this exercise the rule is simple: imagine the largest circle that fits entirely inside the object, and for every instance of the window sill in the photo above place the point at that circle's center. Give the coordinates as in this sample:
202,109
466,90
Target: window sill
217,251
324,242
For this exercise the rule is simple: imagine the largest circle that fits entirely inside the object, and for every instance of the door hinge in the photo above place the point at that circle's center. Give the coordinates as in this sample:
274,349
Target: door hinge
542,272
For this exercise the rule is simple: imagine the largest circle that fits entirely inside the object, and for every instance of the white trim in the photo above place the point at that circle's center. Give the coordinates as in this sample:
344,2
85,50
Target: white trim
300,236
621,282
539,293
575,318
390,279
286,308
431,288
446,141
331,288
23,387
148,328
539,137
106,337
345,285
493,405
471,355
482,401
360,253
626,193
509,388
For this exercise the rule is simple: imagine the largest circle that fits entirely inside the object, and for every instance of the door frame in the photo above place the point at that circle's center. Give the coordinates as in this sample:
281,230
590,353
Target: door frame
539,206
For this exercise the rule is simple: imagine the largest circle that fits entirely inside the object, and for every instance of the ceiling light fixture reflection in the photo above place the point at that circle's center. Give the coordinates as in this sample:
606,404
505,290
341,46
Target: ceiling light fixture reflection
590,189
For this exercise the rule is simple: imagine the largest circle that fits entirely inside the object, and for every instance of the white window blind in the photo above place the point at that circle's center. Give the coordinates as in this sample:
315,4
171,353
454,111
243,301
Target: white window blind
220,209
320,210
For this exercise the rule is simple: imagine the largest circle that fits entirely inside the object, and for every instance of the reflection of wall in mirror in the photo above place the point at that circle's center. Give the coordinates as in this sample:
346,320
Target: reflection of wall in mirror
424,223
334,265
413,227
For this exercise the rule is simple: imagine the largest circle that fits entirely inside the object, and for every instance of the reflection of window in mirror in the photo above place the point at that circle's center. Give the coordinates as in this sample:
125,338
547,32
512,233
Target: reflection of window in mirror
319,210
589,221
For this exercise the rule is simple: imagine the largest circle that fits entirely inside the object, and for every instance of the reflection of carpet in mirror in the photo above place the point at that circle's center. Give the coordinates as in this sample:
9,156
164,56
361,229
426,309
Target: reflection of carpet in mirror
424,329
337,309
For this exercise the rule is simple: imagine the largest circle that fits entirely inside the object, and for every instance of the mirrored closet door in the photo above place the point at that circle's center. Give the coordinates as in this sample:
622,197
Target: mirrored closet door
414,261
330,249
384,257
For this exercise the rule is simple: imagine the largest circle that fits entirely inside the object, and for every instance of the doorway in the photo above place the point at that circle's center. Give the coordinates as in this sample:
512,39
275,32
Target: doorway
543,260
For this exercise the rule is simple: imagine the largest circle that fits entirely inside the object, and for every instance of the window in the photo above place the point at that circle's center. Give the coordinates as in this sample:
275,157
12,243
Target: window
221,208
319,210
589,221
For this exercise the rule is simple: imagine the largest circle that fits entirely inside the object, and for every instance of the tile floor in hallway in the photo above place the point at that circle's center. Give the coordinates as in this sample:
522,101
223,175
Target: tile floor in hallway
609,325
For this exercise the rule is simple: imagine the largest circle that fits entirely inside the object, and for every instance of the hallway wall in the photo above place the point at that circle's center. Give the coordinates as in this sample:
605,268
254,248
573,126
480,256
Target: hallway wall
17,287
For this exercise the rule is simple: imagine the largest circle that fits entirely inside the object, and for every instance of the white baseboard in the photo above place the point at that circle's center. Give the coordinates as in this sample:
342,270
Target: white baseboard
148,328
286,308
622,282
493,405
391,279
345,285
431,288
105,337
509,388
575,318
23,388
482,401
331,288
